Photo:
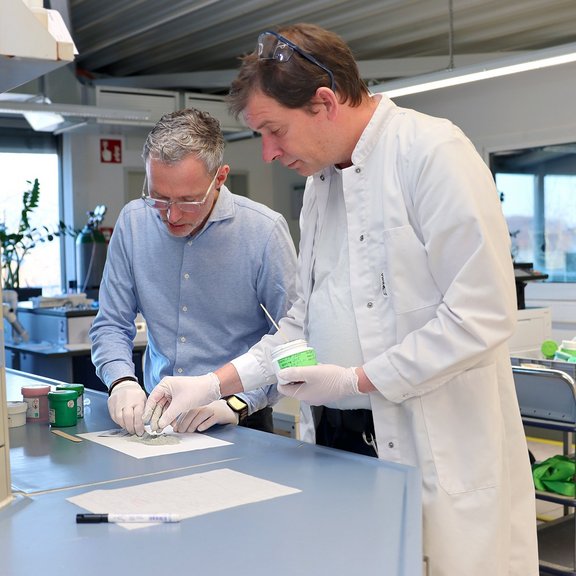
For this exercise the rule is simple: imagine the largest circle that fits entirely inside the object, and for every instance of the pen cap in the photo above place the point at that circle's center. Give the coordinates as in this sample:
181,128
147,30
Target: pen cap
91,518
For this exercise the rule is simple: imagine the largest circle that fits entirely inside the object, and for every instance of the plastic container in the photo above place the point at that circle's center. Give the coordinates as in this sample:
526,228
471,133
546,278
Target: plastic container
79,389
63,410
17,414
36,397
568,347
295,353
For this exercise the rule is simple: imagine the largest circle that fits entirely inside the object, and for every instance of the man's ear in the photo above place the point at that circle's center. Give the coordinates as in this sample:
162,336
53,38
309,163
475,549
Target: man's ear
326,98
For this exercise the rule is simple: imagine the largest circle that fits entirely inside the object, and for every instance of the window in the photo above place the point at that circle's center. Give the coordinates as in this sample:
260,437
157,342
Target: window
22,159
537,187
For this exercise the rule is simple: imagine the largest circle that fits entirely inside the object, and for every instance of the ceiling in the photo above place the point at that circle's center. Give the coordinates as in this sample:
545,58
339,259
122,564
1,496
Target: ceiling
195,44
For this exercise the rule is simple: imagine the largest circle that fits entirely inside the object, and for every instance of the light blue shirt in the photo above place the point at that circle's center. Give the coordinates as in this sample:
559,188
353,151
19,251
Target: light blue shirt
200,296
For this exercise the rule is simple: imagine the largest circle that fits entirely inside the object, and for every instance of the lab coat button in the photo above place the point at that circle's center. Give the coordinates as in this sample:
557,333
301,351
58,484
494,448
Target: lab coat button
390,444
322,177
370,304
358,170
361,237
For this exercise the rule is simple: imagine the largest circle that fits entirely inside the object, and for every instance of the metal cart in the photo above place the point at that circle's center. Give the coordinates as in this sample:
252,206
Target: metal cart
547,399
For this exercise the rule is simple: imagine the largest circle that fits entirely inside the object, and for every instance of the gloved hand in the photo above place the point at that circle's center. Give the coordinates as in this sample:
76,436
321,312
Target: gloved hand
175,395
317,385
200,419
126,406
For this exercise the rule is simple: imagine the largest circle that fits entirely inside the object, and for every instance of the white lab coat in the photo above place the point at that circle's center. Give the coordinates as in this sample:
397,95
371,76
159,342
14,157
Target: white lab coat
433,293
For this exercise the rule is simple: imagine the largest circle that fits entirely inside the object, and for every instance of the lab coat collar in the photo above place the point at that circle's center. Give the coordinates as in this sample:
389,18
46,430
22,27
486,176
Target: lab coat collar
374,129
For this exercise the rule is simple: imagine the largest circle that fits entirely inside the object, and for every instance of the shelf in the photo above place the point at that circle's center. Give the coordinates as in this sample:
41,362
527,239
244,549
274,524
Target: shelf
556,546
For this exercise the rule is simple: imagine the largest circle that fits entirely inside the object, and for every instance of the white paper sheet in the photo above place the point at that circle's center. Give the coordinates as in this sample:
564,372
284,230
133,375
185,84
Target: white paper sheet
188,496
188,441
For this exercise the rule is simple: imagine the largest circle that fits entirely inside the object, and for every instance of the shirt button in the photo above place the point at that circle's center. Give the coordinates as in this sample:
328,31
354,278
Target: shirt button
390,444
184,308
370,304
186,275
358,170
182,338
189,242
179,370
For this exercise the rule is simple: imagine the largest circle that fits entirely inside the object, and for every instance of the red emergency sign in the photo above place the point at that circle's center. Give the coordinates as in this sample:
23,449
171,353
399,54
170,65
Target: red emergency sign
110,151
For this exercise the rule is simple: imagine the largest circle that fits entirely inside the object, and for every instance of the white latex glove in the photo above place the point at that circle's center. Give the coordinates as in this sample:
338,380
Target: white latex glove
175,395
126,406
317,385
200,419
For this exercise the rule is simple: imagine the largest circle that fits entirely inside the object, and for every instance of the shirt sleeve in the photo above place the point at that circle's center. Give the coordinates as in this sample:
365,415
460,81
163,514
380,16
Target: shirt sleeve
260,398
279,269
113,330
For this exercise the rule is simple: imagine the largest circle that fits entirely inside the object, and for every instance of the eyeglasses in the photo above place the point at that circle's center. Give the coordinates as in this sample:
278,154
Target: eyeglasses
273,46
158,204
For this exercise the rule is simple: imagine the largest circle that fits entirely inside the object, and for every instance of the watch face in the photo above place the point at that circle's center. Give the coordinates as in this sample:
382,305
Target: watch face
236,404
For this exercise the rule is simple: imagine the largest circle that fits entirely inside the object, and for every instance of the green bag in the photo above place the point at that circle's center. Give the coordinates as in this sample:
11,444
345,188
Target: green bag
556,475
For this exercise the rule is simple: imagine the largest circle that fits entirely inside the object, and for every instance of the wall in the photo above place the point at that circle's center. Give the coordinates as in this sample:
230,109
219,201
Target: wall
519,111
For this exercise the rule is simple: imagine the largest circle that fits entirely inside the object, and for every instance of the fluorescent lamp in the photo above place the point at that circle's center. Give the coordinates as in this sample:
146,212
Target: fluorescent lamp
547,57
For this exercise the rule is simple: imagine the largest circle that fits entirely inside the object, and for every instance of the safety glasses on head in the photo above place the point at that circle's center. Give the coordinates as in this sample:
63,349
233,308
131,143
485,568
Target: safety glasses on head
273,46
191,206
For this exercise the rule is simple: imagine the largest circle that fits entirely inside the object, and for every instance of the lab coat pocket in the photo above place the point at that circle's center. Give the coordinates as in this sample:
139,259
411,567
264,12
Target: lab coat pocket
462,421
410,284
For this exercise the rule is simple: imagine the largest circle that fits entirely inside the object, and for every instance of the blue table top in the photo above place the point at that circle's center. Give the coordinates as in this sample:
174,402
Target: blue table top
353,513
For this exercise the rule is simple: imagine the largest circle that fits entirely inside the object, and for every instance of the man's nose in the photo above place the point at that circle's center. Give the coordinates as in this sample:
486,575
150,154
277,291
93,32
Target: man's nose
173,213
270,151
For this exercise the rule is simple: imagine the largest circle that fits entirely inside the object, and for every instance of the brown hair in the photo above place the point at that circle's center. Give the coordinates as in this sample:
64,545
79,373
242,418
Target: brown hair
294,83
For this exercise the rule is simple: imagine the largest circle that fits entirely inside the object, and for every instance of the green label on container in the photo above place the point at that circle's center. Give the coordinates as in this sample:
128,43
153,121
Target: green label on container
304,358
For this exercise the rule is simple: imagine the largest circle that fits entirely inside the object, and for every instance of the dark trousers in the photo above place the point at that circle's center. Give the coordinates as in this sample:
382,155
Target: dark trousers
350,430
260,420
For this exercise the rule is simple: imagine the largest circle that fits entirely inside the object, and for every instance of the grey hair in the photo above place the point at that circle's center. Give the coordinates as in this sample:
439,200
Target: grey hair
185,132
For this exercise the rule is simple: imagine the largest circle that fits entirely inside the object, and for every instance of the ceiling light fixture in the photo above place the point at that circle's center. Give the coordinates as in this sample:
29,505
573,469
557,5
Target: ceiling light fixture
511,64
535,60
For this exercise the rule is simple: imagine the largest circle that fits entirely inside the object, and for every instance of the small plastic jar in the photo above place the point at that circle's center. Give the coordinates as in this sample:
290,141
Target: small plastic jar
17,414
63,410
37,399
79,389
295,353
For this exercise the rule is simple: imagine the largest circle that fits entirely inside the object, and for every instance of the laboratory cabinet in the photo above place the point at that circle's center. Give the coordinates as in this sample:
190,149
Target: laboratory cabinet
533,326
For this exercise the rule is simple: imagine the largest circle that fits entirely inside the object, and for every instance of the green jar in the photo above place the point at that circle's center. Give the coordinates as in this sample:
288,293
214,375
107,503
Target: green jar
79,389
63,410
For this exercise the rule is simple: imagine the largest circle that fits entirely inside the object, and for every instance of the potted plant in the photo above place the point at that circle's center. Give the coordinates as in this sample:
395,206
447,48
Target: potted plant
15,245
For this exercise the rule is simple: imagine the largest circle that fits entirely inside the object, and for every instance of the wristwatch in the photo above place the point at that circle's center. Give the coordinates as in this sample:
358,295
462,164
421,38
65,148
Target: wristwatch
238,406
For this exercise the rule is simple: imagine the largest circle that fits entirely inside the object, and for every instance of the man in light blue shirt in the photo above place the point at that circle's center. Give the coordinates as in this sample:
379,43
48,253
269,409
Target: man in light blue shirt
197,262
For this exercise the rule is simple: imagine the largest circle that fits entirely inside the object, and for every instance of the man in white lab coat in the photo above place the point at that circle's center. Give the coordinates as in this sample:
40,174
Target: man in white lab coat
407,294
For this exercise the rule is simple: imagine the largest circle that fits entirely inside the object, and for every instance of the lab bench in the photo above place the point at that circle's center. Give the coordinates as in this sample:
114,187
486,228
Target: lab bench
352,512
71,363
